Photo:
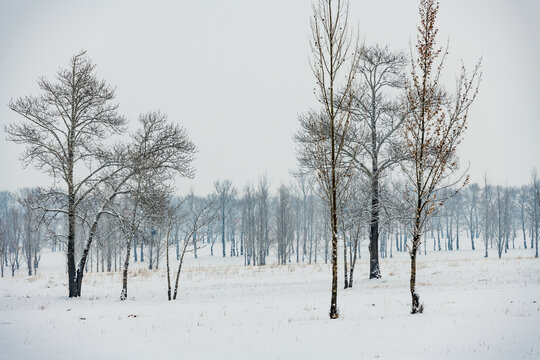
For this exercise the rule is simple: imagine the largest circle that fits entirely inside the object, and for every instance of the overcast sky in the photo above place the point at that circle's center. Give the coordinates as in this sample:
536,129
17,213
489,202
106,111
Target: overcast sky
236,74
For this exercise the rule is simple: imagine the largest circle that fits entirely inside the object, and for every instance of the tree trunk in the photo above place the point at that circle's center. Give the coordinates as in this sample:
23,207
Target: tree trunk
223,229
71,245
29,262
536,253
168,268
374,271
84,257
178,272
353,261
333,302
345,270
416,307
123,294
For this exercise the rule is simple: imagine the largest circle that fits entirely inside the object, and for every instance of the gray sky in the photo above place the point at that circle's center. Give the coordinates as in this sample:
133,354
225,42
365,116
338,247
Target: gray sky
236,74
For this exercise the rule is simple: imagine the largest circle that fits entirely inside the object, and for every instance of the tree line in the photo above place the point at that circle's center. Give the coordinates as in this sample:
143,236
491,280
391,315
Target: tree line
287,226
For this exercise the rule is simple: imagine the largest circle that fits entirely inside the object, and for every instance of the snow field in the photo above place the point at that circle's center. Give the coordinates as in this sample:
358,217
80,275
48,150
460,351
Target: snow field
475,308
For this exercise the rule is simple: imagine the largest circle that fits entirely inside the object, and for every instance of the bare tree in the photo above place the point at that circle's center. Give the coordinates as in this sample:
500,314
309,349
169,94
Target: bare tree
522,202
471,210
284,224
263,214
14,235
432,131
322,136
197,214
378,114
4,205
534,209
32,237
145,206
225,192
487,199
63,131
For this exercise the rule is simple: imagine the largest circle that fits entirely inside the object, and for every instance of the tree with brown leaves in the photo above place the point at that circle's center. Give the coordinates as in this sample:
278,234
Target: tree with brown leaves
432,131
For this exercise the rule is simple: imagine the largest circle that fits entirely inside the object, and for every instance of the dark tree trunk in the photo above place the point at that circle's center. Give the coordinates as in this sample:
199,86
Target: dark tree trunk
29,263
345,270
353,261
71,246
84,257
416,307
374,271
223,229
334,223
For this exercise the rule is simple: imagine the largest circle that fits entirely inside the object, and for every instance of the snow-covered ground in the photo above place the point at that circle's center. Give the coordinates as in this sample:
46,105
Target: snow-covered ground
475,308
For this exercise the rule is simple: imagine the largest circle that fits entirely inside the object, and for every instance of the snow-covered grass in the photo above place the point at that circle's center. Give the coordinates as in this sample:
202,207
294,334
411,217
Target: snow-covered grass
475,308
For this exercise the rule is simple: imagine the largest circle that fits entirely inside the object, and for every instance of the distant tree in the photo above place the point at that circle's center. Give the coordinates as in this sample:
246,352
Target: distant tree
487,200
263,220
283,224
5,225
32,232
534,210
522,205
432,131
14,236
354,223
471,210
225,193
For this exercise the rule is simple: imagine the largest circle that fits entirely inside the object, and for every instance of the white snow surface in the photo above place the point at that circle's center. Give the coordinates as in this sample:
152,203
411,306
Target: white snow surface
475,308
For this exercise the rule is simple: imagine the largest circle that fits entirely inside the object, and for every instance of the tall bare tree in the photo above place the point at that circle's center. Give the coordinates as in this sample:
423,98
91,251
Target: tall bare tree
322,135
378,114
63,130
432,131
